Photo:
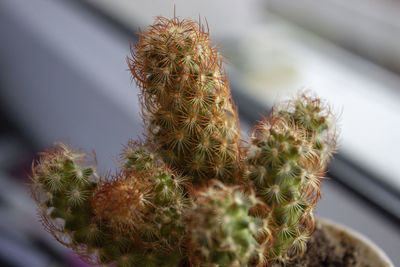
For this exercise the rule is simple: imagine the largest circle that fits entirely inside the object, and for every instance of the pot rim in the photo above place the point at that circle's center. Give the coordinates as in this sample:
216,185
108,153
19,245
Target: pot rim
358,237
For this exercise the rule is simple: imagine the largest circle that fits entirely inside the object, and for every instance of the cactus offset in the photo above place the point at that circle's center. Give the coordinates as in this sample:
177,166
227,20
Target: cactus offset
62,184
146,203
135,218
285,170
186,100
221,231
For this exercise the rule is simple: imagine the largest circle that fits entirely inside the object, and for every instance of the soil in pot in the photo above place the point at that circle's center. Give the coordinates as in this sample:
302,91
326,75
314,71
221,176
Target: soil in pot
322,250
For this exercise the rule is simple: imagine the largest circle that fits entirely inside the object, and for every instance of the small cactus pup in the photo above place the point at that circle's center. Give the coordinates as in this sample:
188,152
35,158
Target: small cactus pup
133,219
220,230
146,201
316,117
62,184
285,171
186,100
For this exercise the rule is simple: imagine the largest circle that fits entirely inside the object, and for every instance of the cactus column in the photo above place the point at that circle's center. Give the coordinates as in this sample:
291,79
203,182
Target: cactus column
284,168
187,106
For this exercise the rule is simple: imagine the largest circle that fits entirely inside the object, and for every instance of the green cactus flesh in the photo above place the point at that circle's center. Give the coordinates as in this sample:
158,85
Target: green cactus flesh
186,100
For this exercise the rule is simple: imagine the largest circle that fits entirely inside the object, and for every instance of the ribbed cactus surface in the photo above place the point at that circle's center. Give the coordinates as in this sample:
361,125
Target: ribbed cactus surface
186,100
285,171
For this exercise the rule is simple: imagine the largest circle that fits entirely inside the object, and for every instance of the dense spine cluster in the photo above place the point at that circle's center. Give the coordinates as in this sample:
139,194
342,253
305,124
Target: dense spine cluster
146,201
186,100
316,118
285,171
221,231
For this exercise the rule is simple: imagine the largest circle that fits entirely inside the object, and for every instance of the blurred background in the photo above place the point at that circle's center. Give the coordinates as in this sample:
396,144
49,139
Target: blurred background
63,77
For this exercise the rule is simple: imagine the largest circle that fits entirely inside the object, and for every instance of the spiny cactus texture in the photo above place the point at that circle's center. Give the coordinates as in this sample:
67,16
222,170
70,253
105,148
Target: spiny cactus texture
221,231
133,219
186,100
145,202
315,116
62,182
285,171
190,194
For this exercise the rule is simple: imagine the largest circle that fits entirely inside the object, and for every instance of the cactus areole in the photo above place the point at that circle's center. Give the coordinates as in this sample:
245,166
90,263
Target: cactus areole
191,194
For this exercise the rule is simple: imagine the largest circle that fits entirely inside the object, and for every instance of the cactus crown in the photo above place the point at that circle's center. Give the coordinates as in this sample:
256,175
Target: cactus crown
190,195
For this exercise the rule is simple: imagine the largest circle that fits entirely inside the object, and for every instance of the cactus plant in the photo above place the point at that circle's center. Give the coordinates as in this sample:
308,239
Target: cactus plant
189,195
186,100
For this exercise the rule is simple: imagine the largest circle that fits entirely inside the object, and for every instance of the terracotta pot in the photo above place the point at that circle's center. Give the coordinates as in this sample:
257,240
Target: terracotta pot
369,254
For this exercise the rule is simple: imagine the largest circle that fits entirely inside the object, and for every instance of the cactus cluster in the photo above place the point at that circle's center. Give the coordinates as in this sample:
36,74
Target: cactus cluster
192,194
133,218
